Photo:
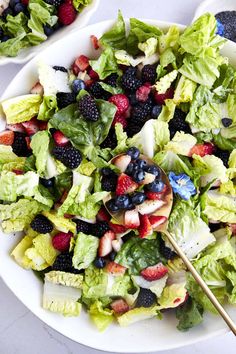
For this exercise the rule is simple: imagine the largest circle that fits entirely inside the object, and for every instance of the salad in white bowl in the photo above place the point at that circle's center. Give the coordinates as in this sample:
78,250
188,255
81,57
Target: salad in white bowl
91,140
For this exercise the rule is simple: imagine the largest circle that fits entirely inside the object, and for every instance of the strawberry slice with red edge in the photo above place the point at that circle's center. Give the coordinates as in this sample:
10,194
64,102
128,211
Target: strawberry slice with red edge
125,184
118,229
202,149
154,272
37,89
28,141
31,126
145,228
156,195
94,41
119,306
105,245
82,62
7,137
161,97
115,268
132,220
93,75
122,162
43,125
60,139
18,172
103,215
17,127
156,221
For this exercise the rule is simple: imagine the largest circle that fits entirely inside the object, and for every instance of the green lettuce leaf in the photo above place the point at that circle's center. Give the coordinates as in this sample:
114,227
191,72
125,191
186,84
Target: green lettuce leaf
149,47
184,90
47,108
169,40
101,317
90,207
172,296
95,283
189,315
169,161
165,81
224,143
60,223
116,36
181,143
80,4
121,137
106,64
85,250
40,147
138,314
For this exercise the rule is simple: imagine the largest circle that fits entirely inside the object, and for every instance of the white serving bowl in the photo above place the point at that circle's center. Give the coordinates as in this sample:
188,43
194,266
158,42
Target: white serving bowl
28,53
146,336
214,6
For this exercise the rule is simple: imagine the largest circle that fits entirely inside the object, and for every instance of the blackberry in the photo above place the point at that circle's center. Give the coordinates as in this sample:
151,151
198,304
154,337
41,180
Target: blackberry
41,224
112,80
63,263
149,73
127,236
178,123
228,20
146,298
129,80
69,156
223,155
19,145
64,99
133,128
214,226
55,3
141,112
109,183
99,228
166,251
60,68
83,226
97,91
88,108
110,141
7,11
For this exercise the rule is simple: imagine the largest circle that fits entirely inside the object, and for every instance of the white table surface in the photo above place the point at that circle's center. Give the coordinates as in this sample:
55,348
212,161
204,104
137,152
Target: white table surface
20,331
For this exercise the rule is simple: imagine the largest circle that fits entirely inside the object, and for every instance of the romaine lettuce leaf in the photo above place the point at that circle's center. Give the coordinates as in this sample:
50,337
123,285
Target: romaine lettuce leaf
101,317
165,81
169,161
47,108
116,36
40,147
89,208
181,143
138,314
189,314
80,4
169,40
60,223
184,90
66,279
85,250
106,64
95,283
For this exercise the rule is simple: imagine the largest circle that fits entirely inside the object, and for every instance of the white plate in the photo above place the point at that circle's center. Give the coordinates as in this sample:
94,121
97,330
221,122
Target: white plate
147,336
28,53
214,6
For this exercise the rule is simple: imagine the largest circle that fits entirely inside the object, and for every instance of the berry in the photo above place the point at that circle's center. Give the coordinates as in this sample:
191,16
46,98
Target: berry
13,3
150,206
202,149
112,80
83,226
54,2
99,262
47,183
5,38
119,306
48,30
43,125
82,62
228,19
161,97
223,155
41,224
154,272
66,14
17,127
131,168
120,101
122,162
146,298
142,92
166,251
88,108
178,123
109,183
154,170
156,186
133,99
129,80
156,110
63,263
7,11
112,256
60,68
69,156
141,163
149,73
115,268
94,42
103,215
133,152
61,241
100,228
138,176
156,221
141,112
32,126
6,137
110,141
154,195
118,229
112,206
138,198
98,92
145,228
19,8
64,99
60,139
119,119
106,171
19,145
105,245
125,184
226,122
132,220
78,85
92,74
133,128
122,201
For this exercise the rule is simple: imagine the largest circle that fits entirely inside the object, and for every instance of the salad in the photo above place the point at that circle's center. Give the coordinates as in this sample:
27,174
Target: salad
27,23
81,162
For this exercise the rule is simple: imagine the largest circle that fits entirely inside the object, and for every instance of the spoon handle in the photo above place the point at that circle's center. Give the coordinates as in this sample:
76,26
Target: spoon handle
203,285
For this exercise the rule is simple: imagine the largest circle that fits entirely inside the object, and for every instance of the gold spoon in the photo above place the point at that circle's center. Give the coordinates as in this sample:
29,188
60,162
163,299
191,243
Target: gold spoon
165,211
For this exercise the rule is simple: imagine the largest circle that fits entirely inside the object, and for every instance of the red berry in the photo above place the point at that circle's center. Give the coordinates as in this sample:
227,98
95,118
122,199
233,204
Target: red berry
143,92
82,62
66,14
25,2
132,220
103,215
115,268
93,75
119,306
202,149
43,125
118,229
156,221
18,172
155,272
60,139
105,244
7,137
145,228
161,97
61,241
119,119
94,41
31,126
17,127
125,184
120,101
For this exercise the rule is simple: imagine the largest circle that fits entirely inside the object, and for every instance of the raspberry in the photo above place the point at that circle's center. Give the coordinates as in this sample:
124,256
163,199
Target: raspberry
69,156
88,108
19,145
121,102
149,73
142,92
64,99
146,298
119,119
83,226
161,97
66,14
178,123
61,241
129,80
110,141
97,91
100,228
41,224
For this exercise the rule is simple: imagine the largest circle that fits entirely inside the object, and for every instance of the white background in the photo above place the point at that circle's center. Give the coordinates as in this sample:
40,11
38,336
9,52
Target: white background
20,331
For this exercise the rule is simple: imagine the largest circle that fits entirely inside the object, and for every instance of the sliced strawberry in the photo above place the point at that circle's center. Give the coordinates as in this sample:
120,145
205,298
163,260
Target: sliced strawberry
145,228
28,141
161,97
121,162
17,127
233,228
125,184
156,195
120,101
118,229
143,92
119,119
89,83
103,215
132,220
148,178
75,69
60,139
82,62
94,41
156,221
18,172
37,89
115,268
7,137
116,244
69,216
32,126
61,241
92,74
43,125
202,149
105,245
155,272
150,206
119,306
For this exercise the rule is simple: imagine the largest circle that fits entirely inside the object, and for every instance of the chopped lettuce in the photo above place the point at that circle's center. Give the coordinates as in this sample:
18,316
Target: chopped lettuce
63,278
189,314
184,90
181,143
43,245
137,314
169,161
80,4
165,81
169,40
60,223
47,108
116,36
106,64
40,146
86,168
85,250
168,111
121,137
172,296
19,252
149,47
101,317
95,283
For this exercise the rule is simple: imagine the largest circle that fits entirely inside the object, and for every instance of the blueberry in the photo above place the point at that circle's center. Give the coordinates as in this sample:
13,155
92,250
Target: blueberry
78,85
154,170
130,168
130,206
106,171
133,152
156,110
112,256
5,38
112,206
47,183
48,30
141,163
138,198
122,201
19,7
99,262
226,122
138,176
156,186
13,3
